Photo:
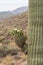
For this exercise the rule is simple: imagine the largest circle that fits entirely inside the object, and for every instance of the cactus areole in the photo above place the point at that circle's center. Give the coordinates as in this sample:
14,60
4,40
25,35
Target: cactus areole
35,32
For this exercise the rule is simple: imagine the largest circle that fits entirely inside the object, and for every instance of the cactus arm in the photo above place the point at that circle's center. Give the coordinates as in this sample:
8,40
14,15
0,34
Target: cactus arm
35,32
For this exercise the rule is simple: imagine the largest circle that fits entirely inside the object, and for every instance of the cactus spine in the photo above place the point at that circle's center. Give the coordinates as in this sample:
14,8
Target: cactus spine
36,32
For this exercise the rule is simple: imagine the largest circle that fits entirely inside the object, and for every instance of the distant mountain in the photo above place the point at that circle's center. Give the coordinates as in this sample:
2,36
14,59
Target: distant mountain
7,14
20,10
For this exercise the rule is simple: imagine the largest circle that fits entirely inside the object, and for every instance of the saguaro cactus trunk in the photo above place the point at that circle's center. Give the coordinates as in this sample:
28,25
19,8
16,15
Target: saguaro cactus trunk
35,32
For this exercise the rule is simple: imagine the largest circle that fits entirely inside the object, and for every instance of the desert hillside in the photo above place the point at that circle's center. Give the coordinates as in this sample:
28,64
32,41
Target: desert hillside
14,56
18,21
7,14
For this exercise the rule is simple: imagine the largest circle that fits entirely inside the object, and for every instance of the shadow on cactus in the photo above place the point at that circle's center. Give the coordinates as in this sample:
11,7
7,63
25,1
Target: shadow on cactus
20,38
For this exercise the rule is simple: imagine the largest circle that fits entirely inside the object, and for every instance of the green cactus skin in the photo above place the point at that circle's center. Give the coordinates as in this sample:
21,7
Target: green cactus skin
20,38
35,32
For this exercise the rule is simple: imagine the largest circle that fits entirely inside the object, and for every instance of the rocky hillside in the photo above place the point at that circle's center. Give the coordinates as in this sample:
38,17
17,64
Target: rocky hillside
10,53
18,21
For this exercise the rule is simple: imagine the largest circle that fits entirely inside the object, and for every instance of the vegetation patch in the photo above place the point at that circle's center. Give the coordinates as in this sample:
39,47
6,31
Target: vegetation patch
5,50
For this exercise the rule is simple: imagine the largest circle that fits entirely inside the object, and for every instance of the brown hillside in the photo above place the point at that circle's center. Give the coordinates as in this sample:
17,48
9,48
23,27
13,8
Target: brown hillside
7,40
18,21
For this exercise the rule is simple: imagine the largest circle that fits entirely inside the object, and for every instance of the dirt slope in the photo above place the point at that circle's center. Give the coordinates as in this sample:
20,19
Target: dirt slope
7,25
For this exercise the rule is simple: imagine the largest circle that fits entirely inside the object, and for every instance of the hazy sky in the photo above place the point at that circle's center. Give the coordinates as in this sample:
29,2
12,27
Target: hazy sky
12,4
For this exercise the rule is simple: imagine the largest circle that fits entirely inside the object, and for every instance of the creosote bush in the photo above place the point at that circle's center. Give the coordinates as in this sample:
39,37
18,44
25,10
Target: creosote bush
6,50
20,38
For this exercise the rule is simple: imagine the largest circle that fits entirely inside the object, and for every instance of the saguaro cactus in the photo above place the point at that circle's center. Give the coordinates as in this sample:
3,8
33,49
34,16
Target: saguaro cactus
35,32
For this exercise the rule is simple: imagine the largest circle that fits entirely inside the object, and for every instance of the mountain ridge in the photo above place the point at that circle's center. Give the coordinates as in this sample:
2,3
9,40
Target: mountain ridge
20,10
7,14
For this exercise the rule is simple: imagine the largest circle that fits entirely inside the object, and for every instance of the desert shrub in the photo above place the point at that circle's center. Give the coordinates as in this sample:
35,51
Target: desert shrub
20,38
5,50
5,42
1,38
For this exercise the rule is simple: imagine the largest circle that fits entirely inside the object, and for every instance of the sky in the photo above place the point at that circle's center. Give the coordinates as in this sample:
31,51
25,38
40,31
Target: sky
6,5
